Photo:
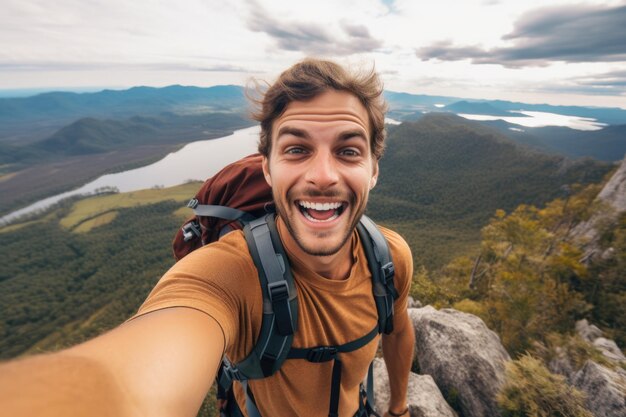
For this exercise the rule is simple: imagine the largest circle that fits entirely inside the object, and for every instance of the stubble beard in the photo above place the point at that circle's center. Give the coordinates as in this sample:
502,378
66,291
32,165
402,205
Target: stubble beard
298,239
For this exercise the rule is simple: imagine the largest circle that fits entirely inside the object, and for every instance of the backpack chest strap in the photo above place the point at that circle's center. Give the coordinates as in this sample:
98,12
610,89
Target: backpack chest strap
327,353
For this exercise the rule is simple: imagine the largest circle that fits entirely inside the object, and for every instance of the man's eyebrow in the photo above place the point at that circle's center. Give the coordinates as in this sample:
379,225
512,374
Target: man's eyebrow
353,133
294,131
301,133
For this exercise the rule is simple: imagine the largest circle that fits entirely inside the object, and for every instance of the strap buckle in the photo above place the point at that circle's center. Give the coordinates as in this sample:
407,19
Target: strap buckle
322,354
191,230
232,373
193,203
278,290
388,271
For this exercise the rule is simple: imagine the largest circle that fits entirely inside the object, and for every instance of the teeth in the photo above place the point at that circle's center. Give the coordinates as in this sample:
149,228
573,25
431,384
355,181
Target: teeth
320,206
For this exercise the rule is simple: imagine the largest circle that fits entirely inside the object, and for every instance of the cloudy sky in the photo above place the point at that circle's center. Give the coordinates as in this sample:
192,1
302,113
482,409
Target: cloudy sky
557,52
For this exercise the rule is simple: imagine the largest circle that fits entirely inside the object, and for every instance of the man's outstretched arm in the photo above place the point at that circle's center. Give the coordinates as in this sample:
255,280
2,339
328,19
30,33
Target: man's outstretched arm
159,364
398,354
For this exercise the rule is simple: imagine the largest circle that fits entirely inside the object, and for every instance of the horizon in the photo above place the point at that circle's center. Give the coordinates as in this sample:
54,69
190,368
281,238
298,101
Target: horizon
478,49
8,93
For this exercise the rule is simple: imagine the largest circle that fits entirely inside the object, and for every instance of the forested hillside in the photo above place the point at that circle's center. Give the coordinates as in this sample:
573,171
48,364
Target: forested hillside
59,287
530,280
445,176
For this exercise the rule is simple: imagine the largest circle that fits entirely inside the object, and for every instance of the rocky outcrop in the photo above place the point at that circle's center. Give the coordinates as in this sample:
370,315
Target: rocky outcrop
604,385
612,199
587,331
465,359
609,349
593,335
424,398
605,389
614,192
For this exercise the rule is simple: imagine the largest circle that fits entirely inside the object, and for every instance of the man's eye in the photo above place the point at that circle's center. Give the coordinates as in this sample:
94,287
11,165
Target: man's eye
349,152
294,150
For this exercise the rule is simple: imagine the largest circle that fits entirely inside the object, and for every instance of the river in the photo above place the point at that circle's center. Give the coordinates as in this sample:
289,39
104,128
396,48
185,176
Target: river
195,161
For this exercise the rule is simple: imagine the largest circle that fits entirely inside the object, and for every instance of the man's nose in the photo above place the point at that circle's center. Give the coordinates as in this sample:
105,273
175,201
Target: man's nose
322,172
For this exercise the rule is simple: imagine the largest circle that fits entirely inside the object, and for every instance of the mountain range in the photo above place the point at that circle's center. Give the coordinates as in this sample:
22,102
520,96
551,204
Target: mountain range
28,119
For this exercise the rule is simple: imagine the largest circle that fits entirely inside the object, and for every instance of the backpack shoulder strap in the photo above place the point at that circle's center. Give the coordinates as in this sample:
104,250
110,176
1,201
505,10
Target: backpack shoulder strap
280,303
382,269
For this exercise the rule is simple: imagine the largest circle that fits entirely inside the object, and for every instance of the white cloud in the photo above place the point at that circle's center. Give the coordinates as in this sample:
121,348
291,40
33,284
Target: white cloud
206,42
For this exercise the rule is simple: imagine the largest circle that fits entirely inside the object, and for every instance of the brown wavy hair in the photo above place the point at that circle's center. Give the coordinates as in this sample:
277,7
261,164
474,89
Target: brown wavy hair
311,77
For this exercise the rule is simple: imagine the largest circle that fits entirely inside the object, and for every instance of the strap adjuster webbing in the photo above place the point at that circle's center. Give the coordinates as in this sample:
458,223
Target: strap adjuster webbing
388,272
278,291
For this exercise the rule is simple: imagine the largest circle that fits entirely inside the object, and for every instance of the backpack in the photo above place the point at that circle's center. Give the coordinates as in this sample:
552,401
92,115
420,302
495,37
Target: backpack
238,197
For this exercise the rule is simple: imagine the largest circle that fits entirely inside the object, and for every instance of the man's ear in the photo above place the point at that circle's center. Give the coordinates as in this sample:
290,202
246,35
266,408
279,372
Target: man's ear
374,178
265,164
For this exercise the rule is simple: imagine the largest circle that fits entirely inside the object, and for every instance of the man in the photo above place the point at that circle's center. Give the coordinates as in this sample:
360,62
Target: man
322,135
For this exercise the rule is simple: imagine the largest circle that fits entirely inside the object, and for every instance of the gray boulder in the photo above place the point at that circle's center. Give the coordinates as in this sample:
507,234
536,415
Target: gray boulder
609,349
593,334
614,192
463,356
563,364
424,398
605,389
587,331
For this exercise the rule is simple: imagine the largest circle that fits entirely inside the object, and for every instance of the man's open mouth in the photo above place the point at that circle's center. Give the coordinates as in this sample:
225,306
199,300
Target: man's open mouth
321,212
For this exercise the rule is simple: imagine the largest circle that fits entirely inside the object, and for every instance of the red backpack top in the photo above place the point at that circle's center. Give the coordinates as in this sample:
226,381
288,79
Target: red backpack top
234,195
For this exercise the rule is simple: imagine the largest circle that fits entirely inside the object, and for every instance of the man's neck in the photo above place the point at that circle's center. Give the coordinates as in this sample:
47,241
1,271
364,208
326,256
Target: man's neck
335,267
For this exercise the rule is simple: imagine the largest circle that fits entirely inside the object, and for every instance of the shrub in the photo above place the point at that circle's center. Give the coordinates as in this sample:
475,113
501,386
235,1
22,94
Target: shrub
531,390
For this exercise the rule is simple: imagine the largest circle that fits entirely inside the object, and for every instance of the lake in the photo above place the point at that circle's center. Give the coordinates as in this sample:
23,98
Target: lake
541,119
195,161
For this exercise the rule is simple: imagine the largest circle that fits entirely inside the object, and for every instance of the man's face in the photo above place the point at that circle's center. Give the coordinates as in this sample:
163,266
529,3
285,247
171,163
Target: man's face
321,169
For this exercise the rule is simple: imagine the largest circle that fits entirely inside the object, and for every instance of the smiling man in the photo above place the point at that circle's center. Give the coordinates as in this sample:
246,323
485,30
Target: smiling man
321,170
322,134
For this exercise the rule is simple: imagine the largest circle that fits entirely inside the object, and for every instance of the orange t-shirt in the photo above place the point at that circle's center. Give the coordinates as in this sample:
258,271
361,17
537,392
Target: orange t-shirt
221,280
